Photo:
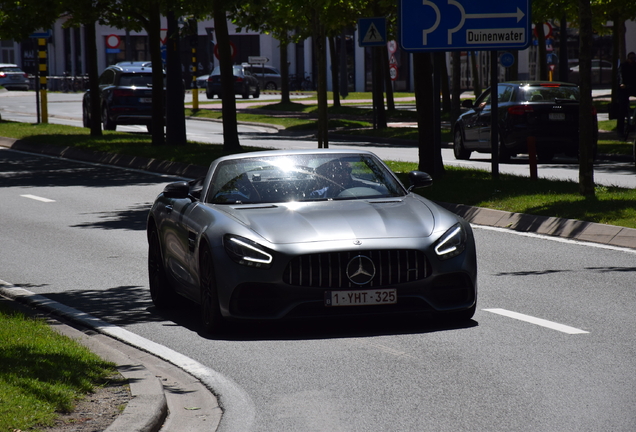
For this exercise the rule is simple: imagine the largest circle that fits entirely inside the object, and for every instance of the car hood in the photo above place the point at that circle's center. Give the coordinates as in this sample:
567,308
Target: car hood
337,220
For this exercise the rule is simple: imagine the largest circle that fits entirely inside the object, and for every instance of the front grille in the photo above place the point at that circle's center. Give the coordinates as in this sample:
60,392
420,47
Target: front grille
329,270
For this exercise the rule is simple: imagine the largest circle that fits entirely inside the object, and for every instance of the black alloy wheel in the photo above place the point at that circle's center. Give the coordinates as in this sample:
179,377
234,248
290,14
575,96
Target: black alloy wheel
86,115
458,146
107,122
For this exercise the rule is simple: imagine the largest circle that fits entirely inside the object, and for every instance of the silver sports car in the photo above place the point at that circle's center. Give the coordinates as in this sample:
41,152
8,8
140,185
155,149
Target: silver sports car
308,233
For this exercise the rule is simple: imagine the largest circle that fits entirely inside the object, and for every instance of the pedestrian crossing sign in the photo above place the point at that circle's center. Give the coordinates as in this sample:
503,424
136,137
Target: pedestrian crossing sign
371,32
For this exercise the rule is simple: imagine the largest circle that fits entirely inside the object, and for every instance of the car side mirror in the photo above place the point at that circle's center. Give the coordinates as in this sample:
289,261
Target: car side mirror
177,190
419,179
467,103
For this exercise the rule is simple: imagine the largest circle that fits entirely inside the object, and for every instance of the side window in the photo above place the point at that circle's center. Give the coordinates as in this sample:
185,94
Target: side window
107,78
505,93
483,100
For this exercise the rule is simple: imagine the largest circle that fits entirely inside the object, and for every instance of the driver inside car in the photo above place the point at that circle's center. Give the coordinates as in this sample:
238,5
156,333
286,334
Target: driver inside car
333,177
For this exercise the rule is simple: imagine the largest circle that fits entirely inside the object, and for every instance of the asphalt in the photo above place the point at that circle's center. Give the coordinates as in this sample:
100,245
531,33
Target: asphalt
167,398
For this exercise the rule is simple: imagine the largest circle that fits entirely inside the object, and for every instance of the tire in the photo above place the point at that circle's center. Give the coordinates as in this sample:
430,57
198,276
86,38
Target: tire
162,294
258,93
107,122
545,156
270,86
209,95
210,310
246,92
86,118
458,146
504,153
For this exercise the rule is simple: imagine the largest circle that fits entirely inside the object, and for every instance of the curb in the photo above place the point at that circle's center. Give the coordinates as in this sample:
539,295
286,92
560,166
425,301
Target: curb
148,408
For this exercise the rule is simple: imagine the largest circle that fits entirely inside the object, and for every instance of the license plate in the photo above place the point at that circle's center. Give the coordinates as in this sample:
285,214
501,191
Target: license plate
361,297
556,116
145,100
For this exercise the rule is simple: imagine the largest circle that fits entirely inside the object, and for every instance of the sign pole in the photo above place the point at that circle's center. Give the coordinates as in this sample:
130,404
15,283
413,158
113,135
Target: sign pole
42,45
494,117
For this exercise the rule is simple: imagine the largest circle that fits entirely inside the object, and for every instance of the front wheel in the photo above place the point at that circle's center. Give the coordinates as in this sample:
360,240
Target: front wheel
86,116
210,310
107,122
458,146
504,153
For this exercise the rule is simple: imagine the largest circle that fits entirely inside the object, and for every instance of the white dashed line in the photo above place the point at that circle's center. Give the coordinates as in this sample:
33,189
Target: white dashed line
538,321
37,198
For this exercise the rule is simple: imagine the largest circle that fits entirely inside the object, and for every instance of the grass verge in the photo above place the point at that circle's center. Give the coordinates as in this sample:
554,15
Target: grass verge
611,205
43,373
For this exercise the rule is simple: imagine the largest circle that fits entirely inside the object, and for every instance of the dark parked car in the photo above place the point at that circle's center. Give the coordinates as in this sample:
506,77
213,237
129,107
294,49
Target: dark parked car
601,72
549,111
269,77
125,95
12,77
308,233
245,83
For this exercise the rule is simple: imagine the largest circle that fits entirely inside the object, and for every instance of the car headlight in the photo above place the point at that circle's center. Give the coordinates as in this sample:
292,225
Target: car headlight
246,252
452,243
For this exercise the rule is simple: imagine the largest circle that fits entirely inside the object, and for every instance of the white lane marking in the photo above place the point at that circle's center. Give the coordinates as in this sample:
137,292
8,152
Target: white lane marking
538,321
37,198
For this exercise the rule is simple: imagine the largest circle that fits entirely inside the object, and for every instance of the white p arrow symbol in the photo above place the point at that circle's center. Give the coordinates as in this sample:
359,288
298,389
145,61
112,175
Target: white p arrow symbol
425,32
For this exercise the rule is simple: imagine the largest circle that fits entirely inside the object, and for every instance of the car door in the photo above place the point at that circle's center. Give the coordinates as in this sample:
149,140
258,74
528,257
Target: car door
179,240
470,120
484,122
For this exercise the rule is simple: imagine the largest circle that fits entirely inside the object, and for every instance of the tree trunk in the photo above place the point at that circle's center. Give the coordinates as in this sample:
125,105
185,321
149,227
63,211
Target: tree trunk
335,70
284,74
564,67
586,127
158,94
230,125
542,60
90,38
423,69
388,82
378,94
175,109
475,70
456,87
319,37
446,97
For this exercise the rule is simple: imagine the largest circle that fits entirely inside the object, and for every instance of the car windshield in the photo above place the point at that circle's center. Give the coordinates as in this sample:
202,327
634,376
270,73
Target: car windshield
136,80
302,177
547,93
237,70
11,69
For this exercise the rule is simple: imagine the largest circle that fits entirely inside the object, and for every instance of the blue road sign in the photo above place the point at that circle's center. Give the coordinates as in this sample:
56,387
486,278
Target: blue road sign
372,31
506,59
466,25
41,35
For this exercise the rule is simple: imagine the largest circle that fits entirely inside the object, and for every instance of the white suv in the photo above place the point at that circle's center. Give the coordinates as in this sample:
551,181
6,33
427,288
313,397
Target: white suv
12,77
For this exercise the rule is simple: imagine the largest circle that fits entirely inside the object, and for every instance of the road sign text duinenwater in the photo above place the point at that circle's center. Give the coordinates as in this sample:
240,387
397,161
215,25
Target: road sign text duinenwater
466,25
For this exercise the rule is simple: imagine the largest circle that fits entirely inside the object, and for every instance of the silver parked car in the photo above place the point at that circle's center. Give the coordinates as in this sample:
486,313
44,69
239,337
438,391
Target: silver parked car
268,76
12,77
308,233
